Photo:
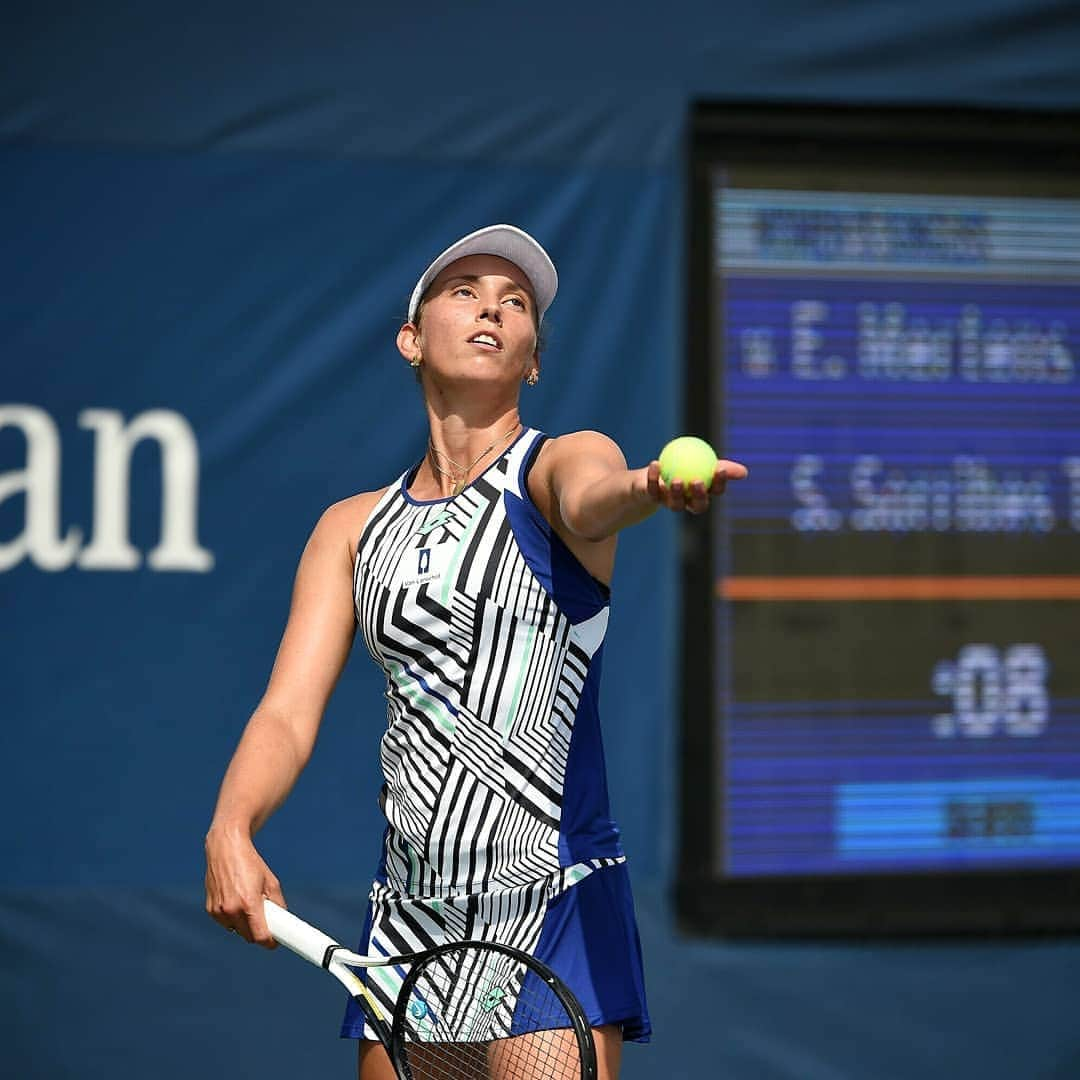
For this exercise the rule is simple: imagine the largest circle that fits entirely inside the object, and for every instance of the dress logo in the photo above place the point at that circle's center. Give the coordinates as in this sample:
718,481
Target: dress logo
421,566
434,523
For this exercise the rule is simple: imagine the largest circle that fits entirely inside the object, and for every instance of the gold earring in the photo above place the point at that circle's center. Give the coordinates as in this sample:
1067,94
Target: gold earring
533,377
416,361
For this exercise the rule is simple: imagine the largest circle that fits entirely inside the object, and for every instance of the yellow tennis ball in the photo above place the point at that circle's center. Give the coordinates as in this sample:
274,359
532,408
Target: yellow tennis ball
687,459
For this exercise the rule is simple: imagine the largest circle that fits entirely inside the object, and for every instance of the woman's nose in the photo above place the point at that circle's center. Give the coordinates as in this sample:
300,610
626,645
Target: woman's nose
491,311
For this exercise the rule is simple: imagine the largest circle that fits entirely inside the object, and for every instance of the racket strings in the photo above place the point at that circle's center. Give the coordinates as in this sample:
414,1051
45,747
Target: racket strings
478,1014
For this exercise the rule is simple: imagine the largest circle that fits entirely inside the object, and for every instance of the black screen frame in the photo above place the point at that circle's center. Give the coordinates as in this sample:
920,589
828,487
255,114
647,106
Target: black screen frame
1023,143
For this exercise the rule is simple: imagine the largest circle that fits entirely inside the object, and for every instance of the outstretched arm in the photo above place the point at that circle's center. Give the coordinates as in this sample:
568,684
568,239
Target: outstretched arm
597,495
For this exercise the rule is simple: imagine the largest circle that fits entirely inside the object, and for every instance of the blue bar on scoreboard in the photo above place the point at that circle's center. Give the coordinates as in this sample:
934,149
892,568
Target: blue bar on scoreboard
957,817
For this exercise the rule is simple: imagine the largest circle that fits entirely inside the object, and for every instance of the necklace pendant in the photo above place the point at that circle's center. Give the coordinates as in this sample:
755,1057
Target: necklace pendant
458,488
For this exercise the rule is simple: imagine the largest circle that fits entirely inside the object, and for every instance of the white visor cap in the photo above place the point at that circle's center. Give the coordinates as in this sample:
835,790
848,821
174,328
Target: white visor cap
508,243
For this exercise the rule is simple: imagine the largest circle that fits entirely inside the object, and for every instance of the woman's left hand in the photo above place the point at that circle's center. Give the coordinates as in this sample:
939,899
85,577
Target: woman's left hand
693,498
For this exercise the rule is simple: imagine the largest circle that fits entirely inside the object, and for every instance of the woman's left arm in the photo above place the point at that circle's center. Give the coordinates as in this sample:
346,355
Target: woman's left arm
597,495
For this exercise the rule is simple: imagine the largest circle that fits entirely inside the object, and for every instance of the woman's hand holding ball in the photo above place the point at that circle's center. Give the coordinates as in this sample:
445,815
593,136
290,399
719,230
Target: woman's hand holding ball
687,473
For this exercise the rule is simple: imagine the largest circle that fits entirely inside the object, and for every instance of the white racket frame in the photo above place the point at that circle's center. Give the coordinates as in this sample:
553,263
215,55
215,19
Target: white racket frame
323,951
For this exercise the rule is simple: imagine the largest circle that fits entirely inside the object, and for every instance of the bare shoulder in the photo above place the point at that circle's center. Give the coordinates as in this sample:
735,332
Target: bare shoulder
342,522
580,447
578,457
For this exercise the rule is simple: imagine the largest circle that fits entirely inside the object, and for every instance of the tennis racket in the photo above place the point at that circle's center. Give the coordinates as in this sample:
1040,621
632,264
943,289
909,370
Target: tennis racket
467,1010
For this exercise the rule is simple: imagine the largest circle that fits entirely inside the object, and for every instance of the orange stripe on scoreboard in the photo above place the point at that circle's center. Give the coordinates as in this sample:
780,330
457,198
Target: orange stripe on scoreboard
954,587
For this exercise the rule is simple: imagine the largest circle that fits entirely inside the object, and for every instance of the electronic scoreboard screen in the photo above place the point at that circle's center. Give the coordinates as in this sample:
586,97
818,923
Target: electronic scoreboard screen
895,591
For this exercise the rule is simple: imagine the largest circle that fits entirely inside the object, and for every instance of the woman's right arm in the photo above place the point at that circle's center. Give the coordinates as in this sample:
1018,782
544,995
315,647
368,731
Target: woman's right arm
278,739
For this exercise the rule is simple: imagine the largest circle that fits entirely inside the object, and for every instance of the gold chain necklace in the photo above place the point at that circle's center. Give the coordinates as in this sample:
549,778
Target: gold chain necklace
460,475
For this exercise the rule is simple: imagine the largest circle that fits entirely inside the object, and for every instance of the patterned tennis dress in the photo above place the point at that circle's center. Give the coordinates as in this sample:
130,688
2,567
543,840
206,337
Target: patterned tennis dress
490,633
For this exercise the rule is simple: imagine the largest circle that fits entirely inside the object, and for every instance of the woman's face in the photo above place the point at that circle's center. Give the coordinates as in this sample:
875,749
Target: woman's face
478,319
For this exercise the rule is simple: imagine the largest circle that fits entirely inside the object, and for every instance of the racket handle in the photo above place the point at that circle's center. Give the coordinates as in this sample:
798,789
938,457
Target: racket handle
295,934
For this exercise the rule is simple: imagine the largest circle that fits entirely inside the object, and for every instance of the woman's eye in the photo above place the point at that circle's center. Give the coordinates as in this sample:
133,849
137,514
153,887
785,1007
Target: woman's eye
516,300
462,290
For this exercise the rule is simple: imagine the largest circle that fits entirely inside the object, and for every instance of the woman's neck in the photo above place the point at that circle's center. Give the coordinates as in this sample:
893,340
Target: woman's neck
460,448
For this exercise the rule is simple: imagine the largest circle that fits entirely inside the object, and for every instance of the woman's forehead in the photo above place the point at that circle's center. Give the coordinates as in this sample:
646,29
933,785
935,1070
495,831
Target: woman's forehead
474,266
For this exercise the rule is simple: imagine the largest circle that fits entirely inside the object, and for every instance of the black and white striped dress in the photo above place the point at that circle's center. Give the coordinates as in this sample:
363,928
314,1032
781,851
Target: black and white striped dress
490,633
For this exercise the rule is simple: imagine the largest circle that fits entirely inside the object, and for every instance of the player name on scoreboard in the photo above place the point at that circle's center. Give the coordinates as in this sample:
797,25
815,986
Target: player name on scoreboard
894,341
966,494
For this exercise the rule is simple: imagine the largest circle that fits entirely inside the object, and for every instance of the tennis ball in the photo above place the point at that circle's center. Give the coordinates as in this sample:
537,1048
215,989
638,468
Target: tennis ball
687,459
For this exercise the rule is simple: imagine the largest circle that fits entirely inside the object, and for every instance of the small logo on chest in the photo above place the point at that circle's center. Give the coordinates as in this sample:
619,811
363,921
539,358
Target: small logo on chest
421,566
434,523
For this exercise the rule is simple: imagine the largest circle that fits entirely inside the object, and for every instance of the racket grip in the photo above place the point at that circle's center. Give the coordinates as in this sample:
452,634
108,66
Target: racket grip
295,934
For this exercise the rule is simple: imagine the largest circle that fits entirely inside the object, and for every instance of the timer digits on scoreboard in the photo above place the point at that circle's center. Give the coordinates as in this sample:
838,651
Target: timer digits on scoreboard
993,691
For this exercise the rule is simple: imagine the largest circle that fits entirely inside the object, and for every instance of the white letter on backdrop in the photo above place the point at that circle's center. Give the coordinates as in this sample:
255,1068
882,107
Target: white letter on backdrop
110,547
40,480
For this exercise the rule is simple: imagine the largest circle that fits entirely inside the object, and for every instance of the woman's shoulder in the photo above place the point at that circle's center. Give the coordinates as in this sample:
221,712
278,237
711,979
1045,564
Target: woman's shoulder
584,437
344,521
560,457
575,443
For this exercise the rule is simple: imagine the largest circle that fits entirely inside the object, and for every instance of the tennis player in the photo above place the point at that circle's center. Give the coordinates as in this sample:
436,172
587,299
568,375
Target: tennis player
479,580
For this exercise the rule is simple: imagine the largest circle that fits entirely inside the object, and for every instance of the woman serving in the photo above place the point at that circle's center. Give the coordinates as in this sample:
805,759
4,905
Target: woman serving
479,580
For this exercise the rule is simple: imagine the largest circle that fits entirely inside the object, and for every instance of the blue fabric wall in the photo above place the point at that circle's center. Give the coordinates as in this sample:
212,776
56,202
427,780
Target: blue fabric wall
219,211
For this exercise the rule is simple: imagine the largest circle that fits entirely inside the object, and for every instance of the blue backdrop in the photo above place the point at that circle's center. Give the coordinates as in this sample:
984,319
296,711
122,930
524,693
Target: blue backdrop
211,220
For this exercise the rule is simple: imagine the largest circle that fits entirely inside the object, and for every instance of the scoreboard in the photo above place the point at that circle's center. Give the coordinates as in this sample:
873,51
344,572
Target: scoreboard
896,588
901,607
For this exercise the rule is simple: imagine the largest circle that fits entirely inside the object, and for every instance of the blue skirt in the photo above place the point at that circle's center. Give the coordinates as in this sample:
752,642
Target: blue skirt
588,936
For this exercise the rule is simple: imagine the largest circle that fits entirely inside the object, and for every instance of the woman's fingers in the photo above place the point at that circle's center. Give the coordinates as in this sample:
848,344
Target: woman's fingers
652,480
237,880
732,470
692,497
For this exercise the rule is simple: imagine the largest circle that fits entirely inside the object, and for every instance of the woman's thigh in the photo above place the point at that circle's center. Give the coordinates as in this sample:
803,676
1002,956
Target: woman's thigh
609,1042
512,1059
374,1062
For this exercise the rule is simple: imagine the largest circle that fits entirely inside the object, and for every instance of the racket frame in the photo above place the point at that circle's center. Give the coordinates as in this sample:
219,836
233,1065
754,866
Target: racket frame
578,1021
323,951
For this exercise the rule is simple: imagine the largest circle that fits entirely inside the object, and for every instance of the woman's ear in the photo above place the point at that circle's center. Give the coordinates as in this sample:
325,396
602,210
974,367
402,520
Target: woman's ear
408,342
532,375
